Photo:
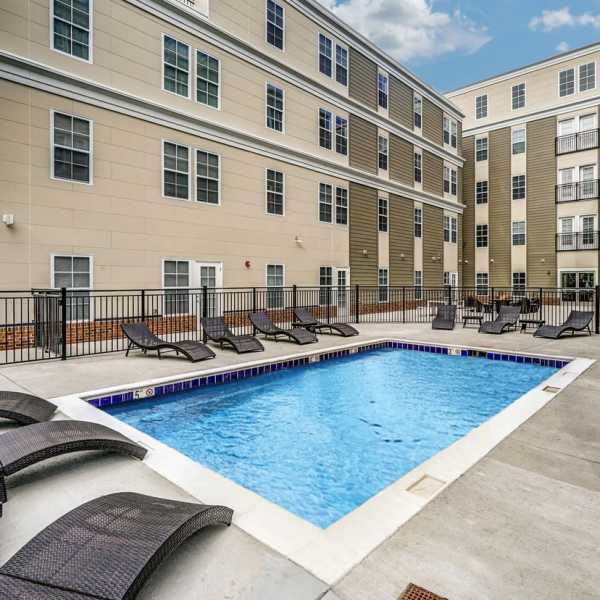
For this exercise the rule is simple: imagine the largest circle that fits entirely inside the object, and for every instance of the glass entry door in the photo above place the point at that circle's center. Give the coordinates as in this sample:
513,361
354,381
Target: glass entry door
211,276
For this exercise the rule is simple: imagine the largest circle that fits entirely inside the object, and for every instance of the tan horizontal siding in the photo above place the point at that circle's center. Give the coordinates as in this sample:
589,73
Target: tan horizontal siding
402,160
460,191
433,174
541,208
433,122
468,219
363,144
499,231
363,235
362,85
459,140
402,240
401,103
460,250
433,246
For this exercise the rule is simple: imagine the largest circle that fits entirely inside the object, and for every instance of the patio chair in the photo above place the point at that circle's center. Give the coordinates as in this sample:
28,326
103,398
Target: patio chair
261,322
217,331
446,317
141,337
25,446
577,321
306,319
106,548
507,318
24,409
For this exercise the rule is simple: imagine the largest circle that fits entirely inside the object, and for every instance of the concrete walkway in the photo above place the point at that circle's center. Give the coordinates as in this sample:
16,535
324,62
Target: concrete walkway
522,523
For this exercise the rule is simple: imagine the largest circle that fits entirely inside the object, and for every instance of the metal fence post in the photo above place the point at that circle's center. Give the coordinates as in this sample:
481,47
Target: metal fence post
204,310
328,288
542,303
403,304
253,307
356,304
63,323
143,312
294,297
597,308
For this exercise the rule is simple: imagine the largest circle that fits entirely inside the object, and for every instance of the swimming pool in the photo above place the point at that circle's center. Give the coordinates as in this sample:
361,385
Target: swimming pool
320,440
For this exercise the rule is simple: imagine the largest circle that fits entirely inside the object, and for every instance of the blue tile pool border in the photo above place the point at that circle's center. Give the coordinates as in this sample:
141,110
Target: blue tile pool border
153,391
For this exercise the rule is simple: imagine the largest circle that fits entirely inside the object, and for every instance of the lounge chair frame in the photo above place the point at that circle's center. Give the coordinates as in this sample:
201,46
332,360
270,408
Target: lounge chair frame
262,323
445,318
140,336
24,409
216,330
106,548
306,319
507,319
576,322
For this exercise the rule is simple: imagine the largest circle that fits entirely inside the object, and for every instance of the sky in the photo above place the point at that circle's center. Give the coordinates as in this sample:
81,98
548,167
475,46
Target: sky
450,43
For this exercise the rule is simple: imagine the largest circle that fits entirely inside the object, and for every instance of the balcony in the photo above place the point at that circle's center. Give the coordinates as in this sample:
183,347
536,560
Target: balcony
574,142
578,190
568,242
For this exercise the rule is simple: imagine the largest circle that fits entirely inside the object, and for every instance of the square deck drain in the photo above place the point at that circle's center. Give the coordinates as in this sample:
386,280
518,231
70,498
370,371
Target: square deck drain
426,487
552,390
414,592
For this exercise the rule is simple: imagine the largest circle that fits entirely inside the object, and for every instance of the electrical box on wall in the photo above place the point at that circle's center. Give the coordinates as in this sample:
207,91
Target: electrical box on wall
8,220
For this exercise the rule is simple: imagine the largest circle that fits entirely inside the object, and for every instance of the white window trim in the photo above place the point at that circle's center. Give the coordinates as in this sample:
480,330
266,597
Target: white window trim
487,107
387,215
162,282
416,96
162,68
332,131
195,194
384,135
269,45
522,128
218,107
512,233
335,136
91,153
190,197
333,57
91,288
589,62
283,110
575,81
386,286
512,177
90,60
387,78
512,108
267,265
575,270
270,214
335,206
335,64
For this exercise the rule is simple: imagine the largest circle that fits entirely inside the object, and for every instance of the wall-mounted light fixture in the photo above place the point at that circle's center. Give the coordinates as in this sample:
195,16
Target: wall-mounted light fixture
8,220
365,252
299,241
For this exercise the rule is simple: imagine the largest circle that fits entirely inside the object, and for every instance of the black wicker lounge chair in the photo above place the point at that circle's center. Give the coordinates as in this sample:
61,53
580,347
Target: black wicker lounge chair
24,408
141,337
304,318
25,446
106,548
261,322
577,321
446,317
217,331
507,318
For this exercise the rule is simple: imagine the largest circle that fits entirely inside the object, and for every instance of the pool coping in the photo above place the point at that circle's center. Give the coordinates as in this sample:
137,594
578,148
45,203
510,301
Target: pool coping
328,553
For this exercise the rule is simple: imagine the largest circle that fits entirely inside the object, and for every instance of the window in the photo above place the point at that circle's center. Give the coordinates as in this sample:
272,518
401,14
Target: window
383,153
518,233
74,273
566,83
275,24
587,77
275,283
588,232
481,192
176,171
587,122
481,149
382,87
587,181
274,107
341,136
481,236
176,67
71,27
275,192
450,229
418,222
450,131
325,203
450,181
518,187
71,148
418,167
325,49
418,111
481,107
383,280
447,180
383,215
341,206
446,130
446,229
176,279
518,141
207,79
325,283
519,283
341,65
325,133
207,177
446,278
418,285
518,96
482,280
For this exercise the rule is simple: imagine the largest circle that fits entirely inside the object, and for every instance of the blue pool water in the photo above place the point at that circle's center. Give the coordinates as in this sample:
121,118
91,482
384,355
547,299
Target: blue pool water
322,439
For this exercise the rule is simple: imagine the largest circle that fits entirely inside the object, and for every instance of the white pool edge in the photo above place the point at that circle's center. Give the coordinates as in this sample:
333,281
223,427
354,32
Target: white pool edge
330,553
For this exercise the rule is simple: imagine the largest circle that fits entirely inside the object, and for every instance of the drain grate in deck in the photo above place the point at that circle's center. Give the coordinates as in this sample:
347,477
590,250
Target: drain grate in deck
414,592
551,389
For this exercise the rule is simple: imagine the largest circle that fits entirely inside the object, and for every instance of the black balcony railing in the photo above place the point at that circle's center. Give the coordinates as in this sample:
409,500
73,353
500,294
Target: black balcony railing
586,240
573,142
577,190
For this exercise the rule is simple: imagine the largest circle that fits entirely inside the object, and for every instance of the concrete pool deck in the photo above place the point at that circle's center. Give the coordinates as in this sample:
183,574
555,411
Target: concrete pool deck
521,523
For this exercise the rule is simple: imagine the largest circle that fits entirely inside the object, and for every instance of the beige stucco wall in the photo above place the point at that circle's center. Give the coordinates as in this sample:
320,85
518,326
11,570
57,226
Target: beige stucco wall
123,221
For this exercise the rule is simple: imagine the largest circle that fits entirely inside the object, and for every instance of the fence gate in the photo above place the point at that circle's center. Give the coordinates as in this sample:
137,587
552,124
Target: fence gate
47,321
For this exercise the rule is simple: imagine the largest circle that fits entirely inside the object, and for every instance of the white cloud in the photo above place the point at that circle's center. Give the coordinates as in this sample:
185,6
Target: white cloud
409,29
554,19
562,47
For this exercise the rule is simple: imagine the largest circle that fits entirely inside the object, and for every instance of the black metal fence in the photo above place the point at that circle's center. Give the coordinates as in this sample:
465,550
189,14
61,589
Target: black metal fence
60,324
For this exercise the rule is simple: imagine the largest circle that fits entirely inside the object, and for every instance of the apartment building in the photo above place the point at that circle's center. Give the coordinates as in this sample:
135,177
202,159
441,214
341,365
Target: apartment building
182,143
531,174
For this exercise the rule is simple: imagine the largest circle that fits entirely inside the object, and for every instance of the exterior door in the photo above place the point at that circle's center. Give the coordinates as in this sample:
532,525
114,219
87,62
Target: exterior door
588,232
566,190
567,233
587,182
343,293
209,275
